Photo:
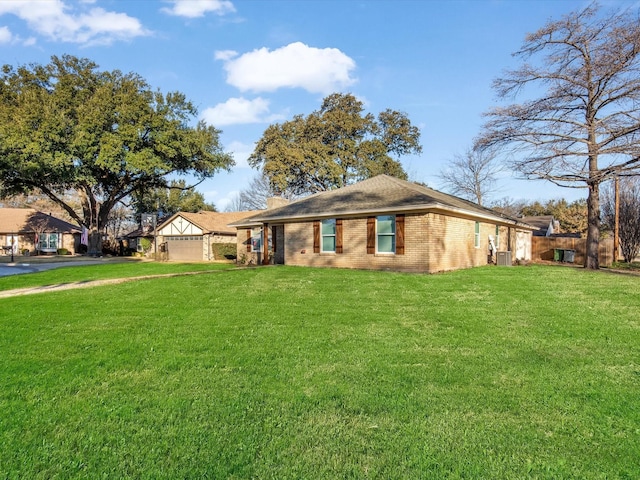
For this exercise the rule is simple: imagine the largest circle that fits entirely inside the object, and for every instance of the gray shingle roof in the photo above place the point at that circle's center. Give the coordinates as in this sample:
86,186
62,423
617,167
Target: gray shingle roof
376,195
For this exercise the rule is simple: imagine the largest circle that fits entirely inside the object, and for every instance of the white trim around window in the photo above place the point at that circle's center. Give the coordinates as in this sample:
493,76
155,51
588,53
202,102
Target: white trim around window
386,234
328,236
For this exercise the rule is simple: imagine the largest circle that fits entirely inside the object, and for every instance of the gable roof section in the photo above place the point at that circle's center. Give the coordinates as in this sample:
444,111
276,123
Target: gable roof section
377,195
211,222
28,220
541,223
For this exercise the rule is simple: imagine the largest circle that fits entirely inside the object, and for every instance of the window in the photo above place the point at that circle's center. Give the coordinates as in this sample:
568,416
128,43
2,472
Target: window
327,236
48,242
184,237
386,234
328,232
477,235
497,237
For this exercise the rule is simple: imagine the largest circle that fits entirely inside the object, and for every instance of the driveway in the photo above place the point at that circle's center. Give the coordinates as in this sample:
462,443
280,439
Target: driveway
26,265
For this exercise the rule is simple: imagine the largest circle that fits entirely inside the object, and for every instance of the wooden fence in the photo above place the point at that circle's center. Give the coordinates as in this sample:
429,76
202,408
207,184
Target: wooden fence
543,248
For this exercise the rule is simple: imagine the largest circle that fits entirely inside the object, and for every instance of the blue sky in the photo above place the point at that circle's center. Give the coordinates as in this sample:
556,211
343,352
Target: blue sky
249,63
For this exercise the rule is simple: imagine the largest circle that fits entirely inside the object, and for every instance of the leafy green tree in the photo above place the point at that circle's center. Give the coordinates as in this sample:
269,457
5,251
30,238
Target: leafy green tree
175,197
581,126
335,146
67,126
572,216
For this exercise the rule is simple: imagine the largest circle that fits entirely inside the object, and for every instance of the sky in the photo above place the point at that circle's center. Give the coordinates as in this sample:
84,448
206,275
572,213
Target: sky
247,64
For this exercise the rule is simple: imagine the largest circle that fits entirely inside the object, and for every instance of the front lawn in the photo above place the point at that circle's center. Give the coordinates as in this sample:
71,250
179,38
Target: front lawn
284,372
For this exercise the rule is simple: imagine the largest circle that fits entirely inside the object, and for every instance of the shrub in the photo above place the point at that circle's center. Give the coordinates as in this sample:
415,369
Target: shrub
224,250
145,243
62,251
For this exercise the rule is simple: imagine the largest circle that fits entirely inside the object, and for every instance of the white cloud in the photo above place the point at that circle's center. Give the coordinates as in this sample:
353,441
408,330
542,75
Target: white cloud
222,203
237,111
241,152
296,65
198,8
5,35
56,20
225,54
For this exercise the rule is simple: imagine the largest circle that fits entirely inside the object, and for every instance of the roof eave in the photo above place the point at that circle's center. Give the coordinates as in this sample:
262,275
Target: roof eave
435,206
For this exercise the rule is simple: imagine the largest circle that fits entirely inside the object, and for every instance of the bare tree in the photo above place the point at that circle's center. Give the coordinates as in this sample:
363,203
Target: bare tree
583,127
121,219
236,205
254,197
628,215
508,206
472,175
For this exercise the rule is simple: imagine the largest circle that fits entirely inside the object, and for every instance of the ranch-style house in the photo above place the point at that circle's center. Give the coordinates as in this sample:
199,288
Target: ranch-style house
383,223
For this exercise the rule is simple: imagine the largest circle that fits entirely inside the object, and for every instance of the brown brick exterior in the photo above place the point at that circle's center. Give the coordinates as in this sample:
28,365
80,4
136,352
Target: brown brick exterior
434,242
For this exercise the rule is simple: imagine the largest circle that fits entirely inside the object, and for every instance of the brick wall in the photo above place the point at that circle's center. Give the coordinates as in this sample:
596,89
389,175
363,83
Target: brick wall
26,241
433,243
451,242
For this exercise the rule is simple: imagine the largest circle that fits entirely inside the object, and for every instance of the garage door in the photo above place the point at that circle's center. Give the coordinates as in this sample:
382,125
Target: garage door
184,248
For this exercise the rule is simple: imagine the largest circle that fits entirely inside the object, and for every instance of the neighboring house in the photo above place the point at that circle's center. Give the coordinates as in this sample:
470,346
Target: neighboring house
134,240
546,225
193,236
26,229
382,223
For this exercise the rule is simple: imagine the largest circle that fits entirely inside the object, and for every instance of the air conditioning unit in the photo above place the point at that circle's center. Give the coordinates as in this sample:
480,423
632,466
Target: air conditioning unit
504,259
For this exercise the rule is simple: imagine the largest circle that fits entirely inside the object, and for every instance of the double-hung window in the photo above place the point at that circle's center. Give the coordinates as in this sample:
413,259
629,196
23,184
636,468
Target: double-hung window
386,234
477,235
497,237
328,233
327,236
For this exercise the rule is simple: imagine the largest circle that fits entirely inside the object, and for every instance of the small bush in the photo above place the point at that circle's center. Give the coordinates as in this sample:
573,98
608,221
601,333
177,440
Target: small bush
145,243
62,251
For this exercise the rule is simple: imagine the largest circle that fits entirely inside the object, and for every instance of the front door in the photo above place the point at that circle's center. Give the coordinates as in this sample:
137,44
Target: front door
12,241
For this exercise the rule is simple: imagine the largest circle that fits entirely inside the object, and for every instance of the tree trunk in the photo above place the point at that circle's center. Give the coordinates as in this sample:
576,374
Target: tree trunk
95,244
591,259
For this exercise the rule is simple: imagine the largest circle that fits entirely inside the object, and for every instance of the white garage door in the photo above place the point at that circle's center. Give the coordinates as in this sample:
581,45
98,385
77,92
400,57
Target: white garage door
184,248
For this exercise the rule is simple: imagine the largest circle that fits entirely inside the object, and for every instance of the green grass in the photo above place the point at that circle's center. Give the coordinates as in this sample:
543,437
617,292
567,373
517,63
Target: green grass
125,269
632,266
510,373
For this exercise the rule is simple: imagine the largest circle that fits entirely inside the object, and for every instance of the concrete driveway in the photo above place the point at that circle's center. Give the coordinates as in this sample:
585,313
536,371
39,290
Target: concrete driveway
40,264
